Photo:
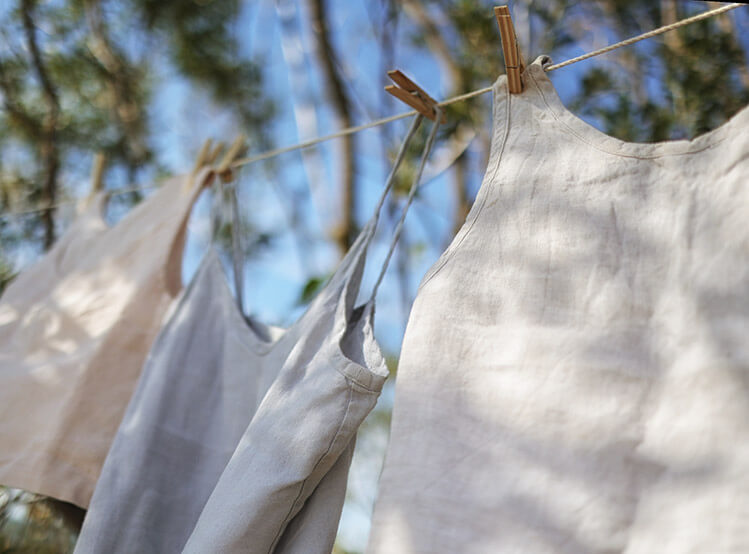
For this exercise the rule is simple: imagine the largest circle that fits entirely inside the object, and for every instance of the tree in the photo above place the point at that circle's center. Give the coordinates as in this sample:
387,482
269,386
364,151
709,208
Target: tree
73,79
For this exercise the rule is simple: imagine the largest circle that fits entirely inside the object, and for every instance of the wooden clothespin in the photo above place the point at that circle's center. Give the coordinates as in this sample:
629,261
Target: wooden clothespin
97,175
213,154
205,150
202,159
413,95
224,169
514,65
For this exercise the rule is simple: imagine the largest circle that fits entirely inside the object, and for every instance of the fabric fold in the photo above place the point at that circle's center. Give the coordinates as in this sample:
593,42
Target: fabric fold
571,374
74,331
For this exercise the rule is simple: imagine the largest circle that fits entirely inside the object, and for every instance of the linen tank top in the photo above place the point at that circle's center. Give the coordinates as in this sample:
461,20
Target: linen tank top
200,386
74,331
287,465
318,382
575,371
240,434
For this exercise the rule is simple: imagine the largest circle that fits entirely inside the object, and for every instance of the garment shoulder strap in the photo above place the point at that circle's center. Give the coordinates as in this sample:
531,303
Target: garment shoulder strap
352,262
351,267
224,192
346,308
409,200
346,278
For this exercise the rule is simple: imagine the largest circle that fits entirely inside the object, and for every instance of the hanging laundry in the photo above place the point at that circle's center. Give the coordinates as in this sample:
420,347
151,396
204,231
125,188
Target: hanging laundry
201,384
327,372
207,373
74,331
199,389
574,372
252,426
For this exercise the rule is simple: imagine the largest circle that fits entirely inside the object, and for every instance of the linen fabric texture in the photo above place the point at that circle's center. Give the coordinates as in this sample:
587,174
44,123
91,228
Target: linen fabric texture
328,383
200,387
575,371
328,373
75,328
239,433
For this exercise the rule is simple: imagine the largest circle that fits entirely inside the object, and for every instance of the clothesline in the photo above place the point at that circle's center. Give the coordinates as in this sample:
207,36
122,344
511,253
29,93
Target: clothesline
376,123
350,130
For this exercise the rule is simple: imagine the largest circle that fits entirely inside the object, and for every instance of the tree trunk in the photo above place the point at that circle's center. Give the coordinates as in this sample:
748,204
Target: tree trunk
342,105
437,44
48,147
118,78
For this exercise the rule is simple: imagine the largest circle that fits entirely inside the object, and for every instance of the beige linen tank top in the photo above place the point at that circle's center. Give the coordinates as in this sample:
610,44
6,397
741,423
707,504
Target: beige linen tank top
74,331
574,376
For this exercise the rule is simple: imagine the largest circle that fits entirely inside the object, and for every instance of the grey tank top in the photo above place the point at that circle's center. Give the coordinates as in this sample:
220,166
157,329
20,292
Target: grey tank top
239,436
574,375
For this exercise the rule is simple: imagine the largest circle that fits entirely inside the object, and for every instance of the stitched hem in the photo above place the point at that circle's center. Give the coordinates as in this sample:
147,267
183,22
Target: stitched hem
578,128
488,184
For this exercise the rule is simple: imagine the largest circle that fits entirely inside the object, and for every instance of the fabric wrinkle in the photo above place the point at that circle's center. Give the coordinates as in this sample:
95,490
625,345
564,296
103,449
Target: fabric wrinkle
568,376
265,444
79,324
234,521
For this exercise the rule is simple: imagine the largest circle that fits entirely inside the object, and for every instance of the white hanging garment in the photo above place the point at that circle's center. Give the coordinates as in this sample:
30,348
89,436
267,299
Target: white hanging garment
575,371
199,388
74,331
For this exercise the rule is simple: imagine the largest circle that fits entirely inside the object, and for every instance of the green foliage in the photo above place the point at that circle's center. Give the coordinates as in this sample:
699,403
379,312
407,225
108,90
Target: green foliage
203,48
673,87
311,288
657,90
100,63
32,523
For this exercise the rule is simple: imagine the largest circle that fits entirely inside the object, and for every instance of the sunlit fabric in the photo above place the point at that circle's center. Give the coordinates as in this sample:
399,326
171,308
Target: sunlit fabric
284,483
74,330
575,372
205,377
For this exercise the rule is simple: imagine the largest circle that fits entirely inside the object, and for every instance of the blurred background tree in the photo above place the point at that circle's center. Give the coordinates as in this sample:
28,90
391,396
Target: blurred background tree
79,76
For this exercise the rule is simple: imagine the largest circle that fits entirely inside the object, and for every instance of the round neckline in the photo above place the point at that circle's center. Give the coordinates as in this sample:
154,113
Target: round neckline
248,326
244,328
537,78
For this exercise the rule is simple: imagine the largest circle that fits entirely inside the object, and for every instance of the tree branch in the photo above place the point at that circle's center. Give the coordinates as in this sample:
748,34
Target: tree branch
342,106
727,25
435,41
437,44
48,148
18,114
124,103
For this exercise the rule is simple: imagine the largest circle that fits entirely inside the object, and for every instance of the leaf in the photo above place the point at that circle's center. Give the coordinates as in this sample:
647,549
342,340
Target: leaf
310,289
